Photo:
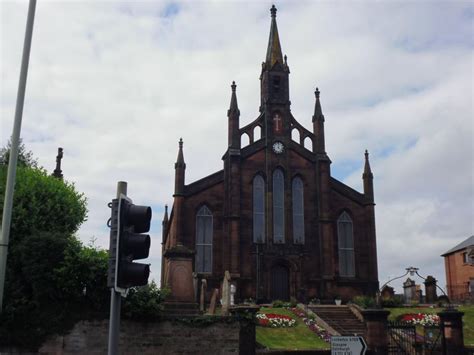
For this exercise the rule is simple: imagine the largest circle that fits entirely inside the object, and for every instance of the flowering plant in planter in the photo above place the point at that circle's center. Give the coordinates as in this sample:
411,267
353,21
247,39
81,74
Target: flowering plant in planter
420,319
275,320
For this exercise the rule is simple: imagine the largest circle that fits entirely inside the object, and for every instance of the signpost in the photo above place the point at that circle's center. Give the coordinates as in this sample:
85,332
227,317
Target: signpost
348,345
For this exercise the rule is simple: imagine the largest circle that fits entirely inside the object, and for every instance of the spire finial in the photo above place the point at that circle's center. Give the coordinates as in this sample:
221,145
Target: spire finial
181,143
316,93
273,11
367,170
233,86
366,154
318,112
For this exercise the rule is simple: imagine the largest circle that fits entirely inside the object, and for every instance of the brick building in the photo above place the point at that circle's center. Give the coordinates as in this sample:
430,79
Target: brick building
273,217
459,266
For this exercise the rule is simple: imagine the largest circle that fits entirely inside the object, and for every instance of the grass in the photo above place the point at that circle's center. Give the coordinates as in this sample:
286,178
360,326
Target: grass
298,337
468,319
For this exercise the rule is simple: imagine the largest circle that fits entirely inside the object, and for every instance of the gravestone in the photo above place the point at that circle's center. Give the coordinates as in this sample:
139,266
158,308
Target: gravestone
430,289
409,290
226,294
387,292
212,304
233,289
202,297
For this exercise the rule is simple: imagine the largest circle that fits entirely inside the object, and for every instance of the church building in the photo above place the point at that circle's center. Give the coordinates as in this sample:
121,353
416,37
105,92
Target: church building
274,217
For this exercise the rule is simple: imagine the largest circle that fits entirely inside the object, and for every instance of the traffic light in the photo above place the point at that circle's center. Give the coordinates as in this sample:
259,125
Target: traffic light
130,244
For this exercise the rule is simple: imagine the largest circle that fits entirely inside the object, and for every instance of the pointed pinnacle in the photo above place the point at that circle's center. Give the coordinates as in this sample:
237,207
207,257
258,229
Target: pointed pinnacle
180,160
318,112
233,99
367,170
274,53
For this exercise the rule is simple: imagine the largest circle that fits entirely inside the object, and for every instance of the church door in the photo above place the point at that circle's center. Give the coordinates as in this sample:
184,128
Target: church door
280,284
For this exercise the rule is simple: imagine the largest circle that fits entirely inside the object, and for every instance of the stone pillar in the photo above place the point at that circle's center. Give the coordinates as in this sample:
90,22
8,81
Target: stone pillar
409,290
179,278
430,289
451,323
247,337
376,330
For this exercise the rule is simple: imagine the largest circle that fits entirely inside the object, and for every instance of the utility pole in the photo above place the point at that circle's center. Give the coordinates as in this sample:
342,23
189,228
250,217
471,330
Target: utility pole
15,139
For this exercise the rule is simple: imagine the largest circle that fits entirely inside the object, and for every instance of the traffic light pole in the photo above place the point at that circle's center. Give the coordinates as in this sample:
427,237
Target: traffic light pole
115,298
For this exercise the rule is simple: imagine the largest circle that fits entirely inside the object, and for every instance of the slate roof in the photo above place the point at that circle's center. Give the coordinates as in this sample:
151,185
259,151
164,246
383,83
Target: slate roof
467,243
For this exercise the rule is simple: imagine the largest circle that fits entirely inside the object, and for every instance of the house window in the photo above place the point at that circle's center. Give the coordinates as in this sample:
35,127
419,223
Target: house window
346,245
258,209
204,240
278,207
465,258
298,210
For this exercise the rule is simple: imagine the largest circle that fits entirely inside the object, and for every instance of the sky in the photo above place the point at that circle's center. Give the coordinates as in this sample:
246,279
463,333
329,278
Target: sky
116,84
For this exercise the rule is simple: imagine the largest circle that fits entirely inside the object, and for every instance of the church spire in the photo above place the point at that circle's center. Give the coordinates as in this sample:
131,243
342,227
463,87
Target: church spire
179,167
274,53
368,178
318,124
233,124
58,173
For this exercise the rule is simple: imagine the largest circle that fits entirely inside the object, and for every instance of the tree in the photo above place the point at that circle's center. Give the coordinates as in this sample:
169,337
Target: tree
25,158
46,214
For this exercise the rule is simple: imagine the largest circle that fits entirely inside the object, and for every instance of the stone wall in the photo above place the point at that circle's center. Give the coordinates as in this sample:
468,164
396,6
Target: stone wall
164,337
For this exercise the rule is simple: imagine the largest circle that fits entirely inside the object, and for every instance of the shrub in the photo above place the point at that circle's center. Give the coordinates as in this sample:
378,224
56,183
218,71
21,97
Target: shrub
364,301
393,302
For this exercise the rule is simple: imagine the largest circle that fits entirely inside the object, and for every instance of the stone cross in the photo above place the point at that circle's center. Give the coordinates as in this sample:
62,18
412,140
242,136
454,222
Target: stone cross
226,294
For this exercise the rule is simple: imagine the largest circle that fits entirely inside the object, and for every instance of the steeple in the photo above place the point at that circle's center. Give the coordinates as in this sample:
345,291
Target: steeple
274,53
318,124
164,223
179,167
233,123
368,178
274,78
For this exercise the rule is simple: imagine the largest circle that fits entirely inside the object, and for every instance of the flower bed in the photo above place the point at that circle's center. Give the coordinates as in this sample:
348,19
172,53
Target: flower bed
275,320
420,319
311,324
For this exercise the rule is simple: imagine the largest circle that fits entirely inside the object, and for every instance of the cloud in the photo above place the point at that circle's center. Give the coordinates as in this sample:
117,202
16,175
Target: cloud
117,84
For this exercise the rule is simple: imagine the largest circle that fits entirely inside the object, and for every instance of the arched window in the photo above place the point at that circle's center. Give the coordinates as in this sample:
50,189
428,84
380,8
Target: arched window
298,210
278,207
204,240
346,245
258,209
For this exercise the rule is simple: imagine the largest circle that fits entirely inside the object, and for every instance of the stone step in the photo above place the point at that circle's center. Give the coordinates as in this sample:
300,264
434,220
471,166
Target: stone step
341,319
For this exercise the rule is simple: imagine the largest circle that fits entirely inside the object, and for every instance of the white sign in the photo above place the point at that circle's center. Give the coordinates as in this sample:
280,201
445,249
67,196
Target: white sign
352,345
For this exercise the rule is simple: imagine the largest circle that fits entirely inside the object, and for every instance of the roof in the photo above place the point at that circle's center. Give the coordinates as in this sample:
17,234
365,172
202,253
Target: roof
467,243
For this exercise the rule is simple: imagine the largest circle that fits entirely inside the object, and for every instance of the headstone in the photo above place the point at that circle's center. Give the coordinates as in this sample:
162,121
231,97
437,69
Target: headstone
418,294
212,304
233,289
195,285
225,294
202,297
387,292
430,289
409,290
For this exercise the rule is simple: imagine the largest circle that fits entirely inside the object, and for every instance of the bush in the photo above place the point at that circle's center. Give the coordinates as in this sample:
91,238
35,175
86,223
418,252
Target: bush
364,301
396,301
144,303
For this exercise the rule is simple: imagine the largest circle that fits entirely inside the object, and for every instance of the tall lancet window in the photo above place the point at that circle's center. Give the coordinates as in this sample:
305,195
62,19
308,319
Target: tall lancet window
346,245
258,209
278,207
298,210
204,240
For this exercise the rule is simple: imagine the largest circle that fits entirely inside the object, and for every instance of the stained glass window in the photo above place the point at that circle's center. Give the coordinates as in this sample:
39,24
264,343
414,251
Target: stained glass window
258,209
298,210
278,207
346,245
204,240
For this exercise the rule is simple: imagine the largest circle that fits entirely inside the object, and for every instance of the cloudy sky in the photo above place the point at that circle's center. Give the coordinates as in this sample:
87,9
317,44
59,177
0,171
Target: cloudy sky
116,84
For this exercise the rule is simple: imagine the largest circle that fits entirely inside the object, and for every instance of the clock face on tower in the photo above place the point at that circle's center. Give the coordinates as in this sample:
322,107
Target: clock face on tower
278,147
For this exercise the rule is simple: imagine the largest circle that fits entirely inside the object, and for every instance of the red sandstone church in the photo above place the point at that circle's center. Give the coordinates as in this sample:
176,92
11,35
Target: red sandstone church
273,217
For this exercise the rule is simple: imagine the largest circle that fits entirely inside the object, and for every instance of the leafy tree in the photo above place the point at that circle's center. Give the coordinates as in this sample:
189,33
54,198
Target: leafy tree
144,303
46,213
25,158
